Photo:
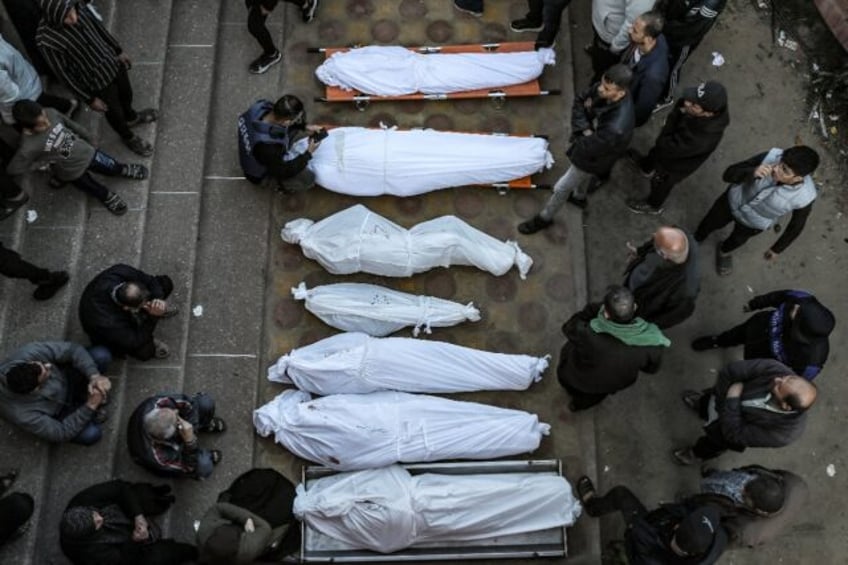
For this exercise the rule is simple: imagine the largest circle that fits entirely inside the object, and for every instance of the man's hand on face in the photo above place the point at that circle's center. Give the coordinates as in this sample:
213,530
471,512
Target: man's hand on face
763,171
155,307
186,430
735,390
140,531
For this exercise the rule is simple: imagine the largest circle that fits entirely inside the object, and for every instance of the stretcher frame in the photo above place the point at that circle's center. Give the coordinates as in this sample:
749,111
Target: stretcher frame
497,95
523,183
546,543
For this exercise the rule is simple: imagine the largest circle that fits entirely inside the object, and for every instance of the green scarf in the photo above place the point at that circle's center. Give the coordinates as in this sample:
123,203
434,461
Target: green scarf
638,332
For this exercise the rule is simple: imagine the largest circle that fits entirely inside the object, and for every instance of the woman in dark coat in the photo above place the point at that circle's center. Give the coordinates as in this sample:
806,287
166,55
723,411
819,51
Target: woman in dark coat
107,524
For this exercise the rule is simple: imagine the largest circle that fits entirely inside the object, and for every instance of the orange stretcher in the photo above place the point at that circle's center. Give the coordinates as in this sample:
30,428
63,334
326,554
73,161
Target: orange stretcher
524,183
497,95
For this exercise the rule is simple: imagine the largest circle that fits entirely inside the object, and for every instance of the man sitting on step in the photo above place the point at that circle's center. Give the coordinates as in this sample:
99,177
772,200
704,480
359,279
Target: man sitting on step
120,308
55,391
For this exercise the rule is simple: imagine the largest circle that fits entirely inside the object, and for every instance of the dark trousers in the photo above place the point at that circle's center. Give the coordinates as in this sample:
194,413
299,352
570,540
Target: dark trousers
473,5
103,164
718,217
202,412
549,14
753,333
619,499
602,57
118,96
256,24
14,267
9,189
78,394
60,103
166,552
710,445
15,511
662,182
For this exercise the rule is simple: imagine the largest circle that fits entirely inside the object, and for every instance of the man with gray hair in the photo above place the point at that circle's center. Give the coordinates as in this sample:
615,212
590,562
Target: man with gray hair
607,347
161,435
664,277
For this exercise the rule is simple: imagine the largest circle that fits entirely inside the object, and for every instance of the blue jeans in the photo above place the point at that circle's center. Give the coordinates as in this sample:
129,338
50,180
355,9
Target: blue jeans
105,164
92,433
204,464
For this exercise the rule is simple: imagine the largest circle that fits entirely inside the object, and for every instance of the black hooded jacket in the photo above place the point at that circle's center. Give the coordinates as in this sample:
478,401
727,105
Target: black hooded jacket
648,540
685,141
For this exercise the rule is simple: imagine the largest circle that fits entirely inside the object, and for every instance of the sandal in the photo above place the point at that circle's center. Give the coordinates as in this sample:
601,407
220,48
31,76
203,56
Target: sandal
216,456
139,146
585,489
216,426
115,204
724,263
146,116
134,171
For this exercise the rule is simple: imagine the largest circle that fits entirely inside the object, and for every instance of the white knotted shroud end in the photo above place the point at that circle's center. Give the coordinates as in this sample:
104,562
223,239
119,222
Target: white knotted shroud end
294,230
300,292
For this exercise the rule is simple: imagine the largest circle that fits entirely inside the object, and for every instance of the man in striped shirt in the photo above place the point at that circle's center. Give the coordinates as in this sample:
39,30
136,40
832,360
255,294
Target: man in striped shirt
91,62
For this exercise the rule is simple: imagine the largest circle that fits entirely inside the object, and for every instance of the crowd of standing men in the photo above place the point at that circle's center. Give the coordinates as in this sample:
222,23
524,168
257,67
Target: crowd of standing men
57,391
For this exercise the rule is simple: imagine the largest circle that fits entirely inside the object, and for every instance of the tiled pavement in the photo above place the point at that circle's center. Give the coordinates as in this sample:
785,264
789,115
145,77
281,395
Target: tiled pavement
217,236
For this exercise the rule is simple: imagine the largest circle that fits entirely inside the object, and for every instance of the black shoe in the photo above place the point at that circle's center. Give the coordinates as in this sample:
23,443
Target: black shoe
534,224
705,342
307,11
265,62
692,400
524,24
51,286
579,202
642,207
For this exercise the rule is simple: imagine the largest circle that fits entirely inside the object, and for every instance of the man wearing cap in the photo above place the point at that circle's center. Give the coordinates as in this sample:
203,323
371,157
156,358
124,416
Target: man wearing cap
794,331
689,136
757,403
763,188
120,308
110,523
677,533
55,391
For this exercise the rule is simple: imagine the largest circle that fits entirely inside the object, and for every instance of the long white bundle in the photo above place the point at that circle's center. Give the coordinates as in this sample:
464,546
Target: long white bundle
365,431
387,509
379,311
354,363
395,71
358,240
371,162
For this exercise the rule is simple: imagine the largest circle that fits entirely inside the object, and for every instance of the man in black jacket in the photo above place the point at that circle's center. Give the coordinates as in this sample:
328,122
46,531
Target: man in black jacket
689,136
120,308
607,347
687,22
673,534
647,55
757,403
664,277
109,523
794,331
602,124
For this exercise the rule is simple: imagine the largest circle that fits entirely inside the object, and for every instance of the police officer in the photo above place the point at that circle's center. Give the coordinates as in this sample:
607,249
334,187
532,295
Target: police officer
267,133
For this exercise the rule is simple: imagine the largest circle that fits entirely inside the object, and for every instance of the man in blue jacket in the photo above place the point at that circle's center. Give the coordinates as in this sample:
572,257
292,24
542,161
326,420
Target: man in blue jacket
647,56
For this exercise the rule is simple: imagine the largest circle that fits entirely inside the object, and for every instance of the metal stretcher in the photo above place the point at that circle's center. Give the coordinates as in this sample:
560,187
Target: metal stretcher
524,183
497,95
318,548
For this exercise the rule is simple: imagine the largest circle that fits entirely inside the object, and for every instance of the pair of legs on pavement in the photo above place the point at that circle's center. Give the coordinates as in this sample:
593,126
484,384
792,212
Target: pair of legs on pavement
572,187
709,445
257,15
543,16
118,97
718,217
47,283
662,182
106,165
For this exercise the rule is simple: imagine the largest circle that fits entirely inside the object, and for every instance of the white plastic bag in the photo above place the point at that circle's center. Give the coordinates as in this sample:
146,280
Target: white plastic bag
365,431
395,71
387,509
358,240
379,311
370,162
354,363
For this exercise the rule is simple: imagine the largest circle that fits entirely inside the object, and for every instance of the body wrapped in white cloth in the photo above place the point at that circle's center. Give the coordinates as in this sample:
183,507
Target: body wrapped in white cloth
354,363
371,162
379,311
358,240
388,509
365,431
395,71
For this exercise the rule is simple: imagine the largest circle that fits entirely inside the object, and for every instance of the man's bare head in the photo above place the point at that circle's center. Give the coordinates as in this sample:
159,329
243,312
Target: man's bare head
671,244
